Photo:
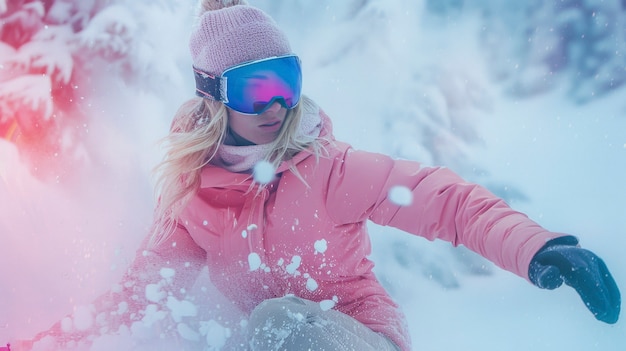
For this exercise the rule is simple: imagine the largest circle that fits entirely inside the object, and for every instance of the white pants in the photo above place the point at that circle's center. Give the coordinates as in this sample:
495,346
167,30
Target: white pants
295,324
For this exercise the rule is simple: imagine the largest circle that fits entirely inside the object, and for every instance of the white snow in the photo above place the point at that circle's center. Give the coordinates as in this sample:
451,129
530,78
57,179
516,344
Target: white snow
167,273
51,50
187,332
321,246
122,308
254,261
435,102
311,284
292,267
110,30
83,317
154,292
153,314
216,335
181,308
400,195
326,305
263,172
29,90
66,324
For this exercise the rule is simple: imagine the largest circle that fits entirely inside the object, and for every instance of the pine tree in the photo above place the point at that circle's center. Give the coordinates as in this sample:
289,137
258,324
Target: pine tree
37,69
536,45
56,57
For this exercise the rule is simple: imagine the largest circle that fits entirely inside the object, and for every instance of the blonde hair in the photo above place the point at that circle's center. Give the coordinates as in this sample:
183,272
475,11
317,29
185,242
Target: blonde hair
199,128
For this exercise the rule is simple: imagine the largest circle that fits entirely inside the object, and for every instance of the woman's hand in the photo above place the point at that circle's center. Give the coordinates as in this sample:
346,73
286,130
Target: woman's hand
559,263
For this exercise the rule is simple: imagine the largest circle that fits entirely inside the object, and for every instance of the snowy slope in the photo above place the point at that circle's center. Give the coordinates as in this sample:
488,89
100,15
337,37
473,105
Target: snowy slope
394,83
570,160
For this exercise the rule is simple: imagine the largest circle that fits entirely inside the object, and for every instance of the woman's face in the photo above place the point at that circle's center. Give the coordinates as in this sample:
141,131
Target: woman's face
257,129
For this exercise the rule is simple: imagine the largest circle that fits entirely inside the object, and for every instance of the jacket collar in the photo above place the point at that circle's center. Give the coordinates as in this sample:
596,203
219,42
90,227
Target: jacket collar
216,176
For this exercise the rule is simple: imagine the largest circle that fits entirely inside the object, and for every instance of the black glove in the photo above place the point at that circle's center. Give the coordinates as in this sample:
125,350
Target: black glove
560,260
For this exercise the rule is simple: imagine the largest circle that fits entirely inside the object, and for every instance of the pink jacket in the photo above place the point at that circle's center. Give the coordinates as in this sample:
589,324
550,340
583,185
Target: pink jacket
309,238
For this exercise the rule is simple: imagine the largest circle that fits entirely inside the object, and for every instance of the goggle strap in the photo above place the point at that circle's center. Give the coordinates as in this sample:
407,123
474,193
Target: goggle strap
207,86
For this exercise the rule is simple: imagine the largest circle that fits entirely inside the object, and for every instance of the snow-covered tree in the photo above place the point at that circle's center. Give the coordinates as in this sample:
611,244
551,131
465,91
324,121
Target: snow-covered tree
534,45
60,59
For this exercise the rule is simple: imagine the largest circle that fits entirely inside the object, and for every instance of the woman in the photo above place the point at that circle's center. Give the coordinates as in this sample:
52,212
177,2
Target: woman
290,246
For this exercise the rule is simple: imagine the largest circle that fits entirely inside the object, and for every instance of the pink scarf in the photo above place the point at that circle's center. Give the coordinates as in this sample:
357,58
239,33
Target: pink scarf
242,158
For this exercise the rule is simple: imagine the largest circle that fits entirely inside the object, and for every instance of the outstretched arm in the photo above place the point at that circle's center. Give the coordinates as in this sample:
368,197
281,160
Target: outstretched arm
444,206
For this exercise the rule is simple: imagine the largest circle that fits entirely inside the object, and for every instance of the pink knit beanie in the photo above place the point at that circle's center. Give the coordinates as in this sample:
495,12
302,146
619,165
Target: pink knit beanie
232,35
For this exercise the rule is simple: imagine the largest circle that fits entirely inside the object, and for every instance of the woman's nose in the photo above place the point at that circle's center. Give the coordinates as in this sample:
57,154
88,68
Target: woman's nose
274,107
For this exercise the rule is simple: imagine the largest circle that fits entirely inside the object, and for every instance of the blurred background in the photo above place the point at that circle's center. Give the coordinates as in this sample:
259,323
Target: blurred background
526,98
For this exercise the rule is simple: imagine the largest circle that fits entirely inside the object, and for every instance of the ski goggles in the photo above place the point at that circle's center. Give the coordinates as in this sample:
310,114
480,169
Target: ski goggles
251,87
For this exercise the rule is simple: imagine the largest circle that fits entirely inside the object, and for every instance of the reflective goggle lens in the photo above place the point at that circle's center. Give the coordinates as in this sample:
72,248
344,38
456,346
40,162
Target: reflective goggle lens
252,87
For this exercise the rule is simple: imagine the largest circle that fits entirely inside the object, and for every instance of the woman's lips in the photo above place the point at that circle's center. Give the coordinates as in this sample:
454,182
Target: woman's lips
271,126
